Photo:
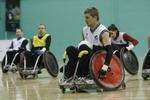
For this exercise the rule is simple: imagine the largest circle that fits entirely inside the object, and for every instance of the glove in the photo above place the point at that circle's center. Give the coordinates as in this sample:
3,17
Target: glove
103,71
43,50
40,52
130,47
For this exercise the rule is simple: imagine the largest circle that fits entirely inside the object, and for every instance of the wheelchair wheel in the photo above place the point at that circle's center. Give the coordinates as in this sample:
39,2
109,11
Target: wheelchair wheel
130,61
146,66
50,63
4,70
113,78
21,66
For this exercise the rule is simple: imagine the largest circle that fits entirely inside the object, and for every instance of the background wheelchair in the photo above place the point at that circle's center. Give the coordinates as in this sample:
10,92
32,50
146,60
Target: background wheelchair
12,66
113,79
129,61
48,61
146,66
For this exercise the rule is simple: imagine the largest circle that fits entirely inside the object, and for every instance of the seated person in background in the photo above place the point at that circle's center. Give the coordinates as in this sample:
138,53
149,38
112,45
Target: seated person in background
18,45
121,39
39,44
96,37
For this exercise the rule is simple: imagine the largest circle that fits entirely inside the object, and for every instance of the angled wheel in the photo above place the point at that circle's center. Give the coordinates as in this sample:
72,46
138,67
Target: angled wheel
21,65
146,66
130,61
113,78
50,63
4,68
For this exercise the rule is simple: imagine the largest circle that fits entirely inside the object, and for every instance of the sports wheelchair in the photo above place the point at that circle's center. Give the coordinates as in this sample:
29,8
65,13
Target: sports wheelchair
113,79
13,65
129,61
146,66
49,62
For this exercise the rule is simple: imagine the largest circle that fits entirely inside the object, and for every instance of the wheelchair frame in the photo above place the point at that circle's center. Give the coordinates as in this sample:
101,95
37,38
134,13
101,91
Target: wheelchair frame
12,65
24,73
75,85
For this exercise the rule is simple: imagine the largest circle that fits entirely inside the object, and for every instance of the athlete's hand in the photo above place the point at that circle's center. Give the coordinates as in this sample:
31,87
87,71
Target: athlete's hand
130,47
40,52
103,71
43,50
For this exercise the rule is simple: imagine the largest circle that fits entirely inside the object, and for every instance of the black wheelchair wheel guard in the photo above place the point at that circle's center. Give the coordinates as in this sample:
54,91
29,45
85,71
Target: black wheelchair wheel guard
130,61
50,63
114,78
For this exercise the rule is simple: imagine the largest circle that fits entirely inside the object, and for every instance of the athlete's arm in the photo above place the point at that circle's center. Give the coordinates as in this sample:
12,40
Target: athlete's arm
107,45
127,37
48,42
11,45
24,43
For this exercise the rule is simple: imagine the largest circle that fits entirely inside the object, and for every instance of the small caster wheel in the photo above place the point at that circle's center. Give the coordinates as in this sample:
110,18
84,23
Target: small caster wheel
63,90
123,85
4,70
74,89
24,77
145,77
99,90
35,76
14,70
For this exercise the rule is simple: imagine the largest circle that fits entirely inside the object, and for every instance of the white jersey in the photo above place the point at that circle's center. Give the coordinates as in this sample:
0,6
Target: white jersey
94,38
119,39
17,43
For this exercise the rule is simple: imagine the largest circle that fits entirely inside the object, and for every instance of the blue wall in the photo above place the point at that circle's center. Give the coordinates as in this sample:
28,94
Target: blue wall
65,19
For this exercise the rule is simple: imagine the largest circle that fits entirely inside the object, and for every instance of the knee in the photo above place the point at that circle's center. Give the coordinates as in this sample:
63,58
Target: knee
84,47
71,50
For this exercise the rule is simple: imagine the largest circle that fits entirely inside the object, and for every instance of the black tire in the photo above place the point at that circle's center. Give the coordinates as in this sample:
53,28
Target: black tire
129,61
21,73
145,77
35,76
14,70
146,66
50,63
4,70
2,66
21,65
63,90
100,82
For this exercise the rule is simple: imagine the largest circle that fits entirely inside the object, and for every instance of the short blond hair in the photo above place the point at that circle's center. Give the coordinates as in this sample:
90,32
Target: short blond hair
93,11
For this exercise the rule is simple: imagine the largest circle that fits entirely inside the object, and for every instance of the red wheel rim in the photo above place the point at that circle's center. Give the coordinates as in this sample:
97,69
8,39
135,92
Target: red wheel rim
114,77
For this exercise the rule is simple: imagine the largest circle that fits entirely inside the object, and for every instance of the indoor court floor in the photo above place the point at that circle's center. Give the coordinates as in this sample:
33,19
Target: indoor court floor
12,87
